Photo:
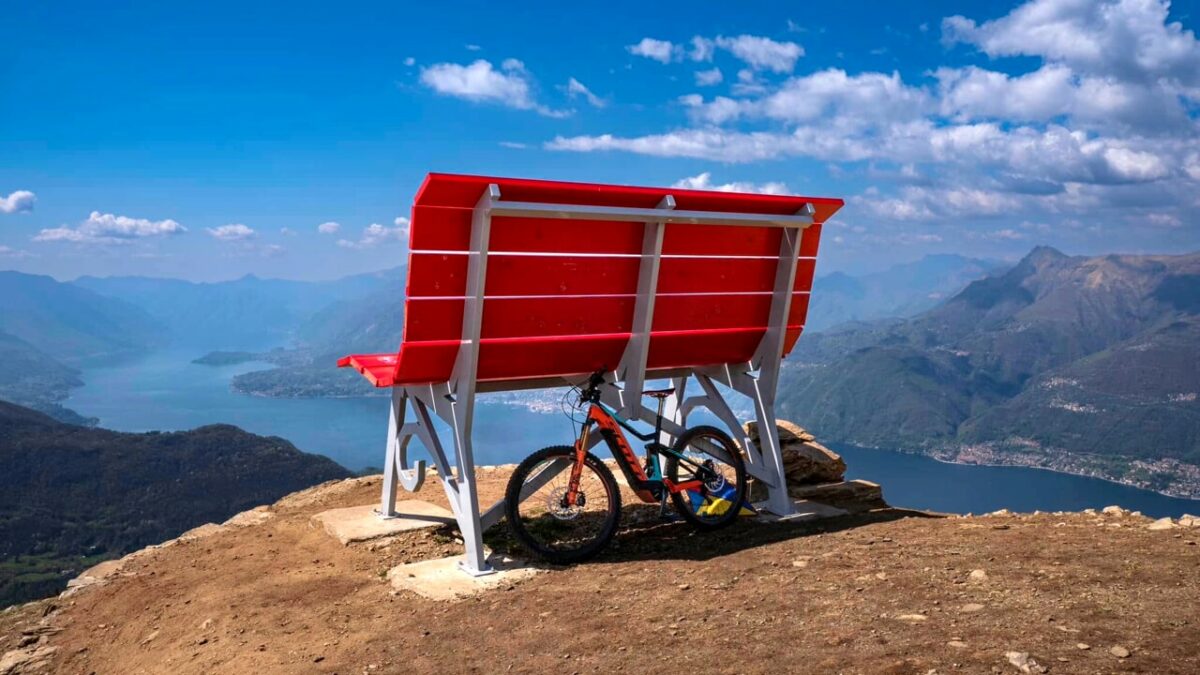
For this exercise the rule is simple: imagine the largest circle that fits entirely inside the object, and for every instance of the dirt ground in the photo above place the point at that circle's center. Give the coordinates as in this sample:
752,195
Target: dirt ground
889,591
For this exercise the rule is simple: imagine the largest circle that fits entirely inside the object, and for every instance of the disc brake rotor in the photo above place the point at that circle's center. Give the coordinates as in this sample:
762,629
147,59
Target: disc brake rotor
715,481
556,504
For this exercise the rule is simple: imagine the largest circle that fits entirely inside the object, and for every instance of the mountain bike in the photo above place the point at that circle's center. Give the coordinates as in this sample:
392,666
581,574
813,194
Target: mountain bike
563,503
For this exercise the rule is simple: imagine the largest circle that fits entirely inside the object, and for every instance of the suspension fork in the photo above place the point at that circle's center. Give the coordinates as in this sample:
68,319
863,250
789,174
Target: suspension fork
577,468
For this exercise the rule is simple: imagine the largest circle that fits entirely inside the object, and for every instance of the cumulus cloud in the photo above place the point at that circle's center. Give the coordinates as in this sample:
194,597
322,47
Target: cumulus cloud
708,78
375,234
330,227
575,89
1106,121
106,228
762,53
9,252
511,85
231,232
20,201
703,181
656,50
1127,39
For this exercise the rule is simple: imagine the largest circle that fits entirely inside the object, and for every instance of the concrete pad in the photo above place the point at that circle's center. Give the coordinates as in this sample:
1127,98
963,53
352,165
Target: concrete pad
804,510
444,580
362,523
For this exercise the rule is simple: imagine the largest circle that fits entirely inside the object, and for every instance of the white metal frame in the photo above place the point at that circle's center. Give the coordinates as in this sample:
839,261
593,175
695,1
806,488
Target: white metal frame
454,401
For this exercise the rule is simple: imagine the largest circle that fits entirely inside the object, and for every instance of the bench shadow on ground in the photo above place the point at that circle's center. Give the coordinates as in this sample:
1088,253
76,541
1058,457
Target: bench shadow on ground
677,540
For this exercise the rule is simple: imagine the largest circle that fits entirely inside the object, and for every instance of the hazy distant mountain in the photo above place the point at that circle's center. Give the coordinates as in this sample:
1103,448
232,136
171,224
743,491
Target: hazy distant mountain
48,329
34,379
375,322
899,291
73,325
1092,364
72,496
245,313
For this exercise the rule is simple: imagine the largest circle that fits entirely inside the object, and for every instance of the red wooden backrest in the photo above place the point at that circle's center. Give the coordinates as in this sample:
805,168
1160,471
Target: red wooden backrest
560,294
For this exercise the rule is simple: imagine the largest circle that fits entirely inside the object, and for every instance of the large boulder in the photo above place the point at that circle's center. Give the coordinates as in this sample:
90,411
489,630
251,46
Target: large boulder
805,461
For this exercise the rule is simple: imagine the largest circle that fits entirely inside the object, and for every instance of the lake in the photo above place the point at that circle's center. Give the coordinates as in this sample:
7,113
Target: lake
165,391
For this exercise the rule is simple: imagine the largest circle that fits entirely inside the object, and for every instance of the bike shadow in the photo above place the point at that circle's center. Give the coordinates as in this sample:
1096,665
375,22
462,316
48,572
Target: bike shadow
658,540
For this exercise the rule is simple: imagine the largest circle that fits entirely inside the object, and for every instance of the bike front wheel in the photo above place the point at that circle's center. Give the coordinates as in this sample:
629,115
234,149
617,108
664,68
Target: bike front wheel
711,457
541,518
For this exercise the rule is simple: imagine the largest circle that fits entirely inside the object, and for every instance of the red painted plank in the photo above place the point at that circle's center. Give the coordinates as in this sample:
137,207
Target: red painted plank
799,309
444,275
463,191
805,268
731,240
429,319
544,357
690,348
449,229
810,241
717,275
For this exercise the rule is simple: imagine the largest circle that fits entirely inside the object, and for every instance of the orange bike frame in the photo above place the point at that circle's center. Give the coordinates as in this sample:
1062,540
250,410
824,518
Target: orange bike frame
639,482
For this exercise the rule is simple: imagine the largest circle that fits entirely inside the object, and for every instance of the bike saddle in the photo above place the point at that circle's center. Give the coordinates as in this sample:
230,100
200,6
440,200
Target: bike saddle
659,393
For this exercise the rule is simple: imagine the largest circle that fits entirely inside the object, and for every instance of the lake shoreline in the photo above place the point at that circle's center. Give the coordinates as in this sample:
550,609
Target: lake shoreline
941,459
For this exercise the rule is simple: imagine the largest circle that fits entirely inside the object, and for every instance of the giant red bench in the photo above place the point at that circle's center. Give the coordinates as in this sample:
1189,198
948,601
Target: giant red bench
518,284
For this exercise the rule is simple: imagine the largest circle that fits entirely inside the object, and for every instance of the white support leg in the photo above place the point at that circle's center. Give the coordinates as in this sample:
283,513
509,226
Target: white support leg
462,384
391,477
632,369
673,410
767,361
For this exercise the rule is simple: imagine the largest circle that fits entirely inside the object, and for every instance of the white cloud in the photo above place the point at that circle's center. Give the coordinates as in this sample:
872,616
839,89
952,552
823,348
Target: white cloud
1098,124
658,50
703,181
287,232
106,228
711,143
9,252
231,232
1130,40
473,48
708,78
760,53
702,49
513,145
376,234
763,53
19,201
410,61
511,85
330,227
575,88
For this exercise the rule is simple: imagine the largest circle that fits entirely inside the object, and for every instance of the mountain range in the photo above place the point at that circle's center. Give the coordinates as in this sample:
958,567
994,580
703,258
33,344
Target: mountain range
898,291
49,329
375,322
240,314
1084,364
71,496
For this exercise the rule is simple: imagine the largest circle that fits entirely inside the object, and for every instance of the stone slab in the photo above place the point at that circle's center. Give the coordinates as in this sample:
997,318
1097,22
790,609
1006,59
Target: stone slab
363,523
804,510
442,579
853,495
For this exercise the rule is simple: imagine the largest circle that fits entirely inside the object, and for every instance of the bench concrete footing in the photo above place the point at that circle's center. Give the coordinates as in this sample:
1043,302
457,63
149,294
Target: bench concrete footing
442,579
363,523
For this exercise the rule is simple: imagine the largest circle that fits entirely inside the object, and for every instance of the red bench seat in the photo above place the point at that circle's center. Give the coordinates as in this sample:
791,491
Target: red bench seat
560,294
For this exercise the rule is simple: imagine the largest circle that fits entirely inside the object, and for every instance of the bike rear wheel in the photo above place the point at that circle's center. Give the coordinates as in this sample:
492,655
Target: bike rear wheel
719,501
542,520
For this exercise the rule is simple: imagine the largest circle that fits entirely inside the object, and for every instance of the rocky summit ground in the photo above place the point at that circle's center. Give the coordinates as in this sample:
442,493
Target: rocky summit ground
889,591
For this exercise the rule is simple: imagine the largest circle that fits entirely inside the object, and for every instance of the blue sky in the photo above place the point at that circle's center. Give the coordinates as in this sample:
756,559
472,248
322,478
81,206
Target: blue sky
211,141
